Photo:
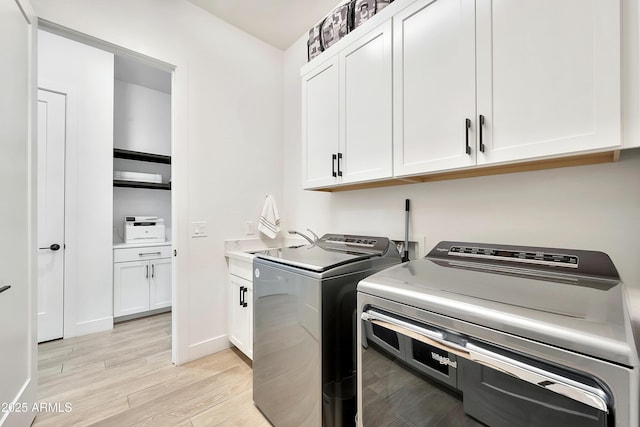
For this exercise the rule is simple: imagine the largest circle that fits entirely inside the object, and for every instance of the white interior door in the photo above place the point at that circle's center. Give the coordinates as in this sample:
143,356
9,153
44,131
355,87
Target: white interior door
18,353
51,155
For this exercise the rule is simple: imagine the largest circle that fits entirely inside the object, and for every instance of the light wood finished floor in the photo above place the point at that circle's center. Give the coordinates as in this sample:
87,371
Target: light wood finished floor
125,377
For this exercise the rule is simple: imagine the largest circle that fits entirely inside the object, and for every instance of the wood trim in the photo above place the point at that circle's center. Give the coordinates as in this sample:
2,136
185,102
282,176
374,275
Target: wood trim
553,163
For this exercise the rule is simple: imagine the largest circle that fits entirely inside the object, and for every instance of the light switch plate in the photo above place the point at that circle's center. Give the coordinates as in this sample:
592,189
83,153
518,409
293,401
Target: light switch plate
199,229
249,228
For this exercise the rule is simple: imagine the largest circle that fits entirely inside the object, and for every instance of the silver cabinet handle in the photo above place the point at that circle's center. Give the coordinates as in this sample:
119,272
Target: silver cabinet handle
149,253
583,393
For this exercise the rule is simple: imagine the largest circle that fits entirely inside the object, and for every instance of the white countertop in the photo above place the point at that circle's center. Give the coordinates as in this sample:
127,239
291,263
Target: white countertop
240,248
239,255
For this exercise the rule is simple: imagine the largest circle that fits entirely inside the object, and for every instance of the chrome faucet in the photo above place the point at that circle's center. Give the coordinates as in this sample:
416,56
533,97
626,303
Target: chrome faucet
307,238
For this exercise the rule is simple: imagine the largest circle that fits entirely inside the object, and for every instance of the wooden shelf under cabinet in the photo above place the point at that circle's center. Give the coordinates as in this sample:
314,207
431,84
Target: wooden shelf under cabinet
535,165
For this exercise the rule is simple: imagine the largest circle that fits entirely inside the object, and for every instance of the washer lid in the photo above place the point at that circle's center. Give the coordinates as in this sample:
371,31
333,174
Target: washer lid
312,257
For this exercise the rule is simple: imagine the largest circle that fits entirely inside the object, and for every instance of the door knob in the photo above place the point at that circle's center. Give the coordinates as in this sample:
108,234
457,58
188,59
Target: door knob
53,247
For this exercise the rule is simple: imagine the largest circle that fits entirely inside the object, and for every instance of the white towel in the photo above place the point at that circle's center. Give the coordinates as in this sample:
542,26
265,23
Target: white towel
269,224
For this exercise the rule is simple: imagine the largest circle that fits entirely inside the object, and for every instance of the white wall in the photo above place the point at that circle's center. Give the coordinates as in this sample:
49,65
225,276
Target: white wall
227,134
85,75
589,207
142,119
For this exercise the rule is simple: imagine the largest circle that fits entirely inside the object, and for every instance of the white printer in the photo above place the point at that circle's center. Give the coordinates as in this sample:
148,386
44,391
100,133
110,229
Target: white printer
143,229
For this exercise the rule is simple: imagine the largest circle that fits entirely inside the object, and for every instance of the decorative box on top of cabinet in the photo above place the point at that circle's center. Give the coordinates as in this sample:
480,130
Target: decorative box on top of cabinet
141,279
346,113
241,303
481,82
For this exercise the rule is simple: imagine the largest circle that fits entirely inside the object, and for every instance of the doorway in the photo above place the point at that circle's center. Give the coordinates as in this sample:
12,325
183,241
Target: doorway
81,73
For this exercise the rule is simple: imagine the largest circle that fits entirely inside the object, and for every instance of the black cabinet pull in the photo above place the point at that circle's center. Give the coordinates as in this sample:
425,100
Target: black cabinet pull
481,124
333,165
244,296
467,126
339,158
241,295
153,270
147,276
4,288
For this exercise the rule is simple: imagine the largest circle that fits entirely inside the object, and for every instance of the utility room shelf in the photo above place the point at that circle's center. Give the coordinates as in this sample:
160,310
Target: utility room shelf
143,157
139,184
119,153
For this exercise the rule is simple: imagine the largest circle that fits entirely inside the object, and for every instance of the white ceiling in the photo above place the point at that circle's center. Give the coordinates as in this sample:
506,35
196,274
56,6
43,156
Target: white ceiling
278,22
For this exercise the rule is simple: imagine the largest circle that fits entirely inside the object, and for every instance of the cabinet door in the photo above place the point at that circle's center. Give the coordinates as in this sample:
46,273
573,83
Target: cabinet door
365,128
320,125
548,77
434,86
241,317
160,284
130,287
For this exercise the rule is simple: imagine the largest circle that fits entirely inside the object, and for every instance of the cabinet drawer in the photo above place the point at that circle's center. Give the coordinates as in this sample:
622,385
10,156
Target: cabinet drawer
241,268
137,254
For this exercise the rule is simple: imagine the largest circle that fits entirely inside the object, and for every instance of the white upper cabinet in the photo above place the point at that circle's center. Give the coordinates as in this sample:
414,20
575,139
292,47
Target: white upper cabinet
366,124
511,81
446,85
548,77
434,86
320,121
347,114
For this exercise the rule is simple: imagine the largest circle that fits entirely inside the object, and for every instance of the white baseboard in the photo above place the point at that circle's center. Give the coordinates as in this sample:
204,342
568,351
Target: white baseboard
207,347
96,325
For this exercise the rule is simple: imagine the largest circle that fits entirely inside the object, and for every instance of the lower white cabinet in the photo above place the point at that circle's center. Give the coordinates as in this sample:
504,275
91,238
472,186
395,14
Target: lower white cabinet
141,280
241,305
160,284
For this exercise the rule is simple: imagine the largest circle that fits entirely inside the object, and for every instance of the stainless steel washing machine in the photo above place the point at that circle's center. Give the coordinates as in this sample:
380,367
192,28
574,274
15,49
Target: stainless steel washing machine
304,347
